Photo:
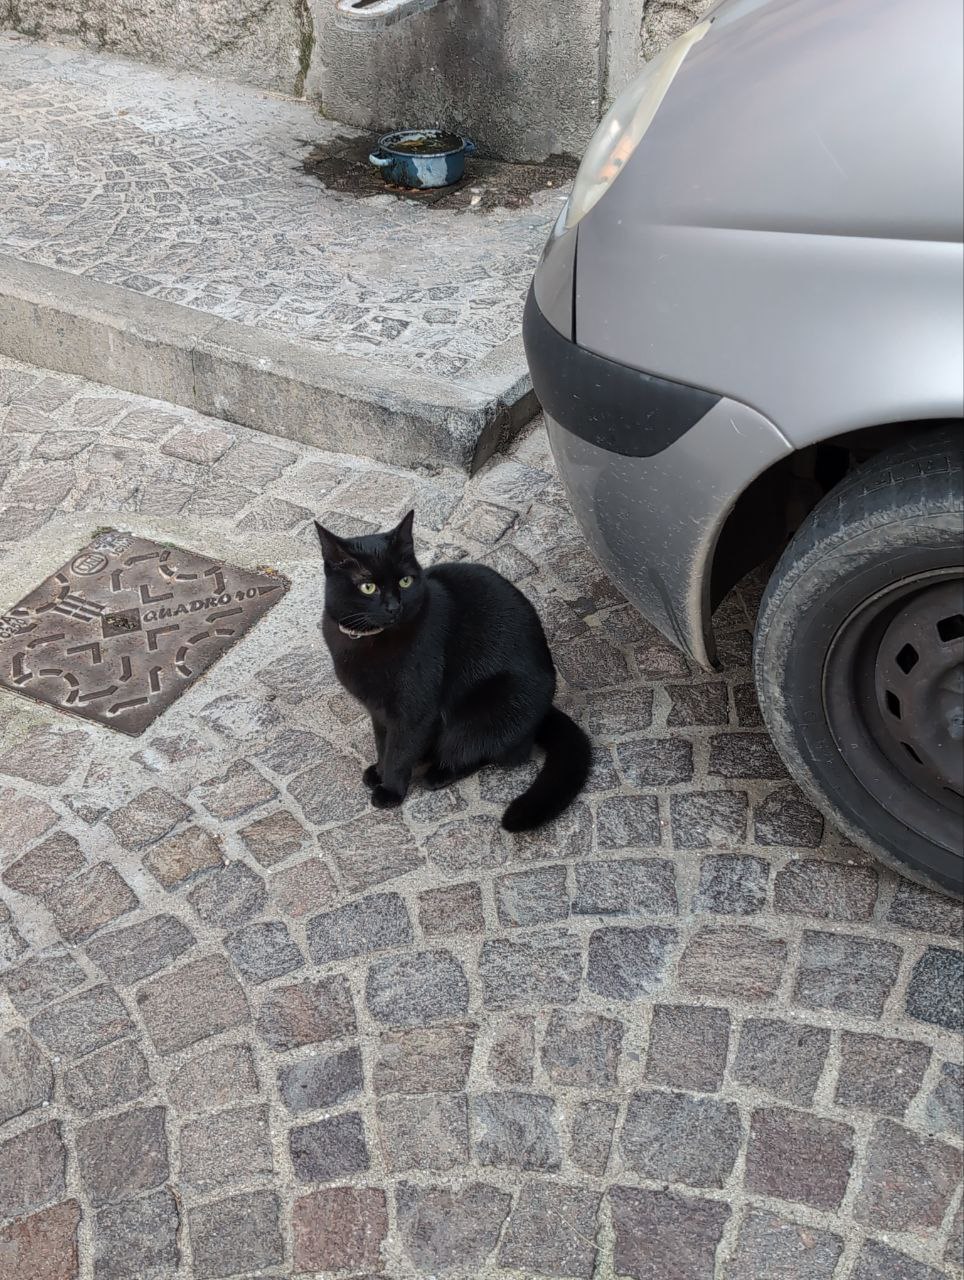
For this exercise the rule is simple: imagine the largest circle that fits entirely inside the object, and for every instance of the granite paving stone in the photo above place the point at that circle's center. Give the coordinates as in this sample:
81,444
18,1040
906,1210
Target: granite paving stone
424,1131
708,819
936,991
515,1130
196,1001
183,856
591,1127
945,1104
301,889
329,1149
785,817
26,1076
846,974
46,866
813,887
799,1157
230,1146
878,1073
263,951
123,1154
376,923
627,886
129,954
581,1049
908,1180
776,1247
879,1261
229,896
42,1245
306,1013
213,1078
688,1047
137,1237
444,1228
423,1060
626,964
512,1050
83,1023
552,1231
677,1137
724,962
340,1229
783,1059
454,909
662,1233
32,1169
239,1234
43,978
90,900
731,885
321,1081
251,1027
543,969
110,1077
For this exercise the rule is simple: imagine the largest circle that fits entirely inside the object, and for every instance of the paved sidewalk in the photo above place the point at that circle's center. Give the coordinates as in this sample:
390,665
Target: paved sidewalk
251,1027
178,190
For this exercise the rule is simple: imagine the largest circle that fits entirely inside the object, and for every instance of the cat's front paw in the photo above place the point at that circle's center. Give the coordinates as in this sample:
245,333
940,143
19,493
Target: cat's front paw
382,798
436,778
371,777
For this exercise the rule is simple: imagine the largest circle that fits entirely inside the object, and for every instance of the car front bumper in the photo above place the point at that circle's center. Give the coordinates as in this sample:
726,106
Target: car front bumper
652,469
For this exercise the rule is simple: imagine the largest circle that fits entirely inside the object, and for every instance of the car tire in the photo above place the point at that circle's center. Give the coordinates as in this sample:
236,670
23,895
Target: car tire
859,658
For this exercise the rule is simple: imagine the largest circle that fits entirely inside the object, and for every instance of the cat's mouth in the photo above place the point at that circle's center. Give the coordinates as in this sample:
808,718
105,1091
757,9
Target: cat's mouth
357,633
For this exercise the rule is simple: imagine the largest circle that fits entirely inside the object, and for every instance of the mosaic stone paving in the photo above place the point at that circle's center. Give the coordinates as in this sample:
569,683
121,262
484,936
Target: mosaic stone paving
193,192
250,1027
125,626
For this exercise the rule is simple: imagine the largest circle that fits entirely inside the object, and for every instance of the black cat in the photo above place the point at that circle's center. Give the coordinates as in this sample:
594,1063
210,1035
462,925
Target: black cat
453,667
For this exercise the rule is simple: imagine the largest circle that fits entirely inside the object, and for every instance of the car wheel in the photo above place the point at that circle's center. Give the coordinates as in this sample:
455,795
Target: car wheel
859,658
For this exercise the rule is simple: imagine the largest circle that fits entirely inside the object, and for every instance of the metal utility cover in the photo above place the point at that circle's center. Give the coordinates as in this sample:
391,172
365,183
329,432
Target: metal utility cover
124,628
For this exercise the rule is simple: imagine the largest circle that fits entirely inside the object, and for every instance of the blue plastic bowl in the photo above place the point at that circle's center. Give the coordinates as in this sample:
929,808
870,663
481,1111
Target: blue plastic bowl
422,157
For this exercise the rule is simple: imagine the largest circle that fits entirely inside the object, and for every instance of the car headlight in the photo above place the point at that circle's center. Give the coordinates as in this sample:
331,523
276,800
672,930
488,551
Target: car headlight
624,125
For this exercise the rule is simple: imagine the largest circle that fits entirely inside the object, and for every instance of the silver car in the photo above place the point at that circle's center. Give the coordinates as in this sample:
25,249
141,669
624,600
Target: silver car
746,333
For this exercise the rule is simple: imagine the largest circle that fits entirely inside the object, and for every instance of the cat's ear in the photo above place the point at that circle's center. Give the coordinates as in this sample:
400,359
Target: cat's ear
333,550
402,533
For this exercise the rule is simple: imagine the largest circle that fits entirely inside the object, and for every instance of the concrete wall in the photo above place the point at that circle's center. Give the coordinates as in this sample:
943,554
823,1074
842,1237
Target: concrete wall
525,78
260,42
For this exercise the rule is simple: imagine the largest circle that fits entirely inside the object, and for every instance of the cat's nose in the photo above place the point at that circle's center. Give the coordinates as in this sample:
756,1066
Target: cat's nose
392,607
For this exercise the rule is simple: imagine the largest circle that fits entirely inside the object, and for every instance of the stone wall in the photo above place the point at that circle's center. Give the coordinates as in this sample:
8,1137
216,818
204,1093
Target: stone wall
525,78
260,42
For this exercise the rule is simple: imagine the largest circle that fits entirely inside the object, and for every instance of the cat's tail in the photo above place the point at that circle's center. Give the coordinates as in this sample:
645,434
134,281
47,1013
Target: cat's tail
561,778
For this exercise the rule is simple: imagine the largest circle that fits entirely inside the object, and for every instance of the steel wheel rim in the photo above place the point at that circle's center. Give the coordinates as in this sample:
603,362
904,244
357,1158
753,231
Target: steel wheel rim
892,696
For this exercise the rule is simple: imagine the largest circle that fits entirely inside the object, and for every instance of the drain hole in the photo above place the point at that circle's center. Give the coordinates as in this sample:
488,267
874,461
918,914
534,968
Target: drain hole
893,703
907,658
911,752
951,628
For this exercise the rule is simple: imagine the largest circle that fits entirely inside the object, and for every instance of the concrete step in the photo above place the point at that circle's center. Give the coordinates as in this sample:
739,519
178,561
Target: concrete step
159,233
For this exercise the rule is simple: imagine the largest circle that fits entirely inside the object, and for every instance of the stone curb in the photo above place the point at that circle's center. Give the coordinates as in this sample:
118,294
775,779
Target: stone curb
58,320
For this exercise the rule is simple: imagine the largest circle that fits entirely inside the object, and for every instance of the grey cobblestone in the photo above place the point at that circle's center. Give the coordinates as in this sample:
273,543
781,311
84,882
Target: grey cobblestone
743,1051
784,1059
678,1138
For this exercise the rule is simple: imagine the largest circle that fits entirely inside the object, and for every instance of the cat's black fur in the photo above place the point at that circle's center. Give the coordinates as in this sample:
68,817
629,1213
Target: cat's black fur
454,671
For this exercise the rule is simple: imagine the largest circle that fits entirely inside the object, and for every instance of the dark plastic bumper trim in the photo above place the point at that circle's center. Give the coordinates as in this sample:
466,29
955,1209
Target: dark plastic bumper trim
607,404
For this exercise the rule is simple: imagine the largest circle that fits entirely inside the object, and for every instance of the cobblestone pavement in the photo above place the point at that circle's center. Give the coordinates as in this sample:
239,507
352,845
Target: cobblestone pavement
251,1027
192,191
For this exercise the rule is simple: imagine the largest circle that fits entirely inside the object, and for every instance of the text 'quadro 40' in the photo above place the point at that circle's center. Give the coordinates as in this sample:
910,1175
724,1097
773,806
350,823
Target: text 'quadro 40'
125,627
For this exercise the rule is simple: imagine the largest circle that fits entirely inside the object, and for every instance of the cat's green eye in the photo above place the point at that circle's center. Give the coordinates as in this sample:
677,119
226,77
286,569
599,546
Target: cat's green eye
367,588
406,582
